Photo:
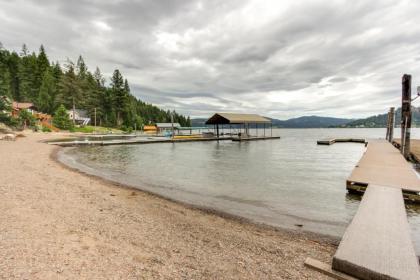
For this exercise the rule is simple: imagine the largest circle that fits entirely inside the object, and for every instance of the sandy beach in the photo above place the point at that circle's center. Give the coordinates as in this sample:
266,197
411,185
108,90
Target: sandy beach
57,223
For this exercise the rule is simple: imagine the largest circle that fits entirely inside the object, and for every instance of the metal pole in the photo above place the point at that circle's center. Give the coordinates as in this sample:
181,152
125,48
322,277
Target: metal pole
172,122
74,110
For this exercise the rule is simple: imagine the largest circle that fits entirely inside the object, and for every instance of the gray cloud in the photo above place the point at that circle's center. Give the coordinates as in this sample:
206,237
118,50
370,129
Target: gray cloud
282,58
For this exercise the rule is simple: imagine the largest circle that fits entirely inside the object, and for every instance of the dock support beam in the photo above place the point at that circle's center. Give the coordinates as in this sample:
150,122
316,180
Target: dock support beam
406,116
388,123
391,124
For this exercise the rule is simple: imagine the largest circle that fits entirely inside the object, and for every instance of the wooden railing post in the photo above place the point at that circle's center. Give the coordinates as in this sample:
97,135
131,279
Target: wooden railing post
406,115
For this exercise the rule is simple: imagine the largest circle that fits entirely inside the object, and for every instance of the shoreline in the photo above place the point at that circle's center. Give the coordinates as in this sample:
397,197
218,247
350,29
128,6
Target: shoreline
203,209
61,222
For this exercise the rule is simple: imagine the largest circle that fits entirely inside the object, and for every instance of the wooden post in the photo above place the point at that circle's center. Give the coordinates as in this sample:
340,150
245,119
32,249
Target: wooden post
406,115
217,127
387,126
391,124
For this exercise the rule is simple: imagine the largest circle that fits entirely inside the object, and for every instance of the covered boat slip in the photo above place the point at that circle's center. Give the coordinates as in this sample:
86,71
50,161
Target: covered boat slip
243,123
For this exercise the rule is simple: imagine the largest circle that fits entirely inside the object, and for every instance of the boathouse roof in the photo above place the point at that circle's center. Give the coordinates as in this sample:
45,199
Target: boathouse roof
233,118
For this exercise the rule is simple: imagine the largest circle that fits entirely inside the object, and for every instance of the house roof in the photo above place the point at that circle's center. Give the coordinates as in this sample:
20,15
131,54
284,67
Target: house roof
167,125
23,105
233,118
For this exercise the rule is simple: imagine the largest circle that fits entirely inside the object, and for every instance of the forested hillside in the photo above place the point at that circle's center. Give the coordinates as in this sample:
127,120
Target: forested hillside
31,77
380,120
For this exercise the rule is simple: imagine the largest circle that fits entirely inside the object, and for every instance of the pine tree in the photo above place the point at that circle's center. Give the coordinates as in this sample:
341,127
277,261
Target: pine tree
43,62
47,93
119,95
61,119
69,88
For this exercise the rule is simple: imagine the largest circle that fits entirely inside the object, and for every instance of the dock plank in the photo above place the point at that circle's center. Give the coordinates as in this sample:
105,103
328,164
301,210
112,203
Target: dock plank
377,244
382,164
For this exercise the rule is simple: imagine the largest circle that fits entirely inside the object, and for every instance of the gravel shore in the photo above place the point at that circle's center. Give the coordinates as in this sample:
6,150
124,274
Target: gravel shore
57,223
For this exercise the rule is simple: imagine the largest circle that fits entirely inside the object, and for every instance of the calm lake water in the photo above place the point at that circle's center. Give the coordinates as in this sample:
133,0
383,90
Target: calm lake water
284,183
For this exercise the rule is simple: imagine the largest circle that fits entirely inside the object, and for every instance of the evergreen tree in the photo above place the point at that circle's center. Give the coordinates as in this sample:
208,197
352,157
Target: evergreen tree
119,96
43,62
47,93
69,89
61,119
30,77
5,109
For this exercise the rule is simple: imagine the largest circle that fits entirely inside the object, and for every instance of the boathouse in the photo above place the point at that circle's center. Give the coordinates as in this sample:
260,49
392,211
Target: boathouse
243,122
165,127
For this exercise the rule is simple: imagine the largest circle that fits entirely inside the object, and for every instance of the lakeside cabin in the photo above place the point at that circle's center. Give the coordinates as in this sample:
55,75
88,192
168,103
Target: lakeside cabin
81,117
19,106
242,122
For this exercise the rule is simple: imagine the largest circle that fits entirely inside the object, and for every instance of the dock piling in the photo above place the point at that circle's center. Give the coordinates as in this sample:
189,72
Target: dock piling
406,115
391,126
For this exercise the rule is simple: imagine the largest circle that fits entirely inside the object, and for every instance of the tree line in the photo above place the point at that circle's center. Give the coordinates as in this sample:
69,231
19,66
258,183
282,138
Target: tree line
31,77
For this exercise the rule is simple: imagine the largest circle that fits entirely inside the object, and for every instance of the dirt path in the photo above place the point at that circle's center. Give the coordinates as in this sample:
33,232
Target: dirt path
57,223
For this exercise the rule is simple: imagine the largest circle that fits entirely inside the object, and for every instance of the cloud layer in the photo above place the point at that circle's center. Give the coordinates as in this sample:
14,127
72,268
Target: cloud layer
278,58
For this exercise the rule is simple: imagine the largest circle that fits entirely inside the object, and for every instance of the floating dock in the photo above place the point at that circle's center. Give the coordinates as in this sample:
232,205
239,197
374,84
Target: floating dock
382,164
243,139
152,140
377,244
340,140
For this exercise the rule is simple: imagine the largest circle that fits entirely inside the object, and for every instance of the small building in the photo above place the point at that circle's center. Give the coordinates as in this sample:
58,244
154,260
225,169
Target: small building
150,128
240,121
19,106
81,117
164,127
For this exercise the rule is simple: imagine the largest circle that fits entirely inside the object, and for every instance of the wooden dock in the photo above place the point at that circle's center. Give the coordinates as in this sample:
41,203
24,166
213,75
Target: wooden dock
414,148
150,140
382,164
340,140
243,139
377,244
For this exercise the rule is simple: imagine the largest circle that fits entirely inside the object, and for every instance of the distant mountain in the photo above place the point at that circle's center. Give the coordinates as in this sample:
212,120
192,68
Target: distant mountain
311,122
301,122
198,122
380,120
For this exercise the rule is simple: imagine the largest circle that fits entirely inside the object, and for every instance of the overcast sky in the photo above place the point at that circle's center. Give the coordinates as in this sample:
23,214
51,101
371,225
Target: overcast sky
281,59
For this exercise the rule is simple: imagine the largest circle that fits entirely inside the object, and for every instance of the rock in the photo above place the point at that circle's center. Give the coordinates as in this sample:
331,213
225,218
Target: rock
9,137
5,129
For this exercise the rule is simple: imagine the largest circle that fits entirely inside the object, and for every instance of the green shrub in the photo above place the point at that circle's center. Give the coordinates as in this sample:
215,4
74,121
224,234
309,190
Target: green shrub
26,119
46,129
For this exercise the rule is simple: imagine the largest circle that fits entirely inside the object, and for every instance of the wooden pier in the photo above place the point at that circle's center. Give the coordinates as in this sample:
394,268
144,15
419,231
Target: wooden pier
243,139
377,244
152,140
340,140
